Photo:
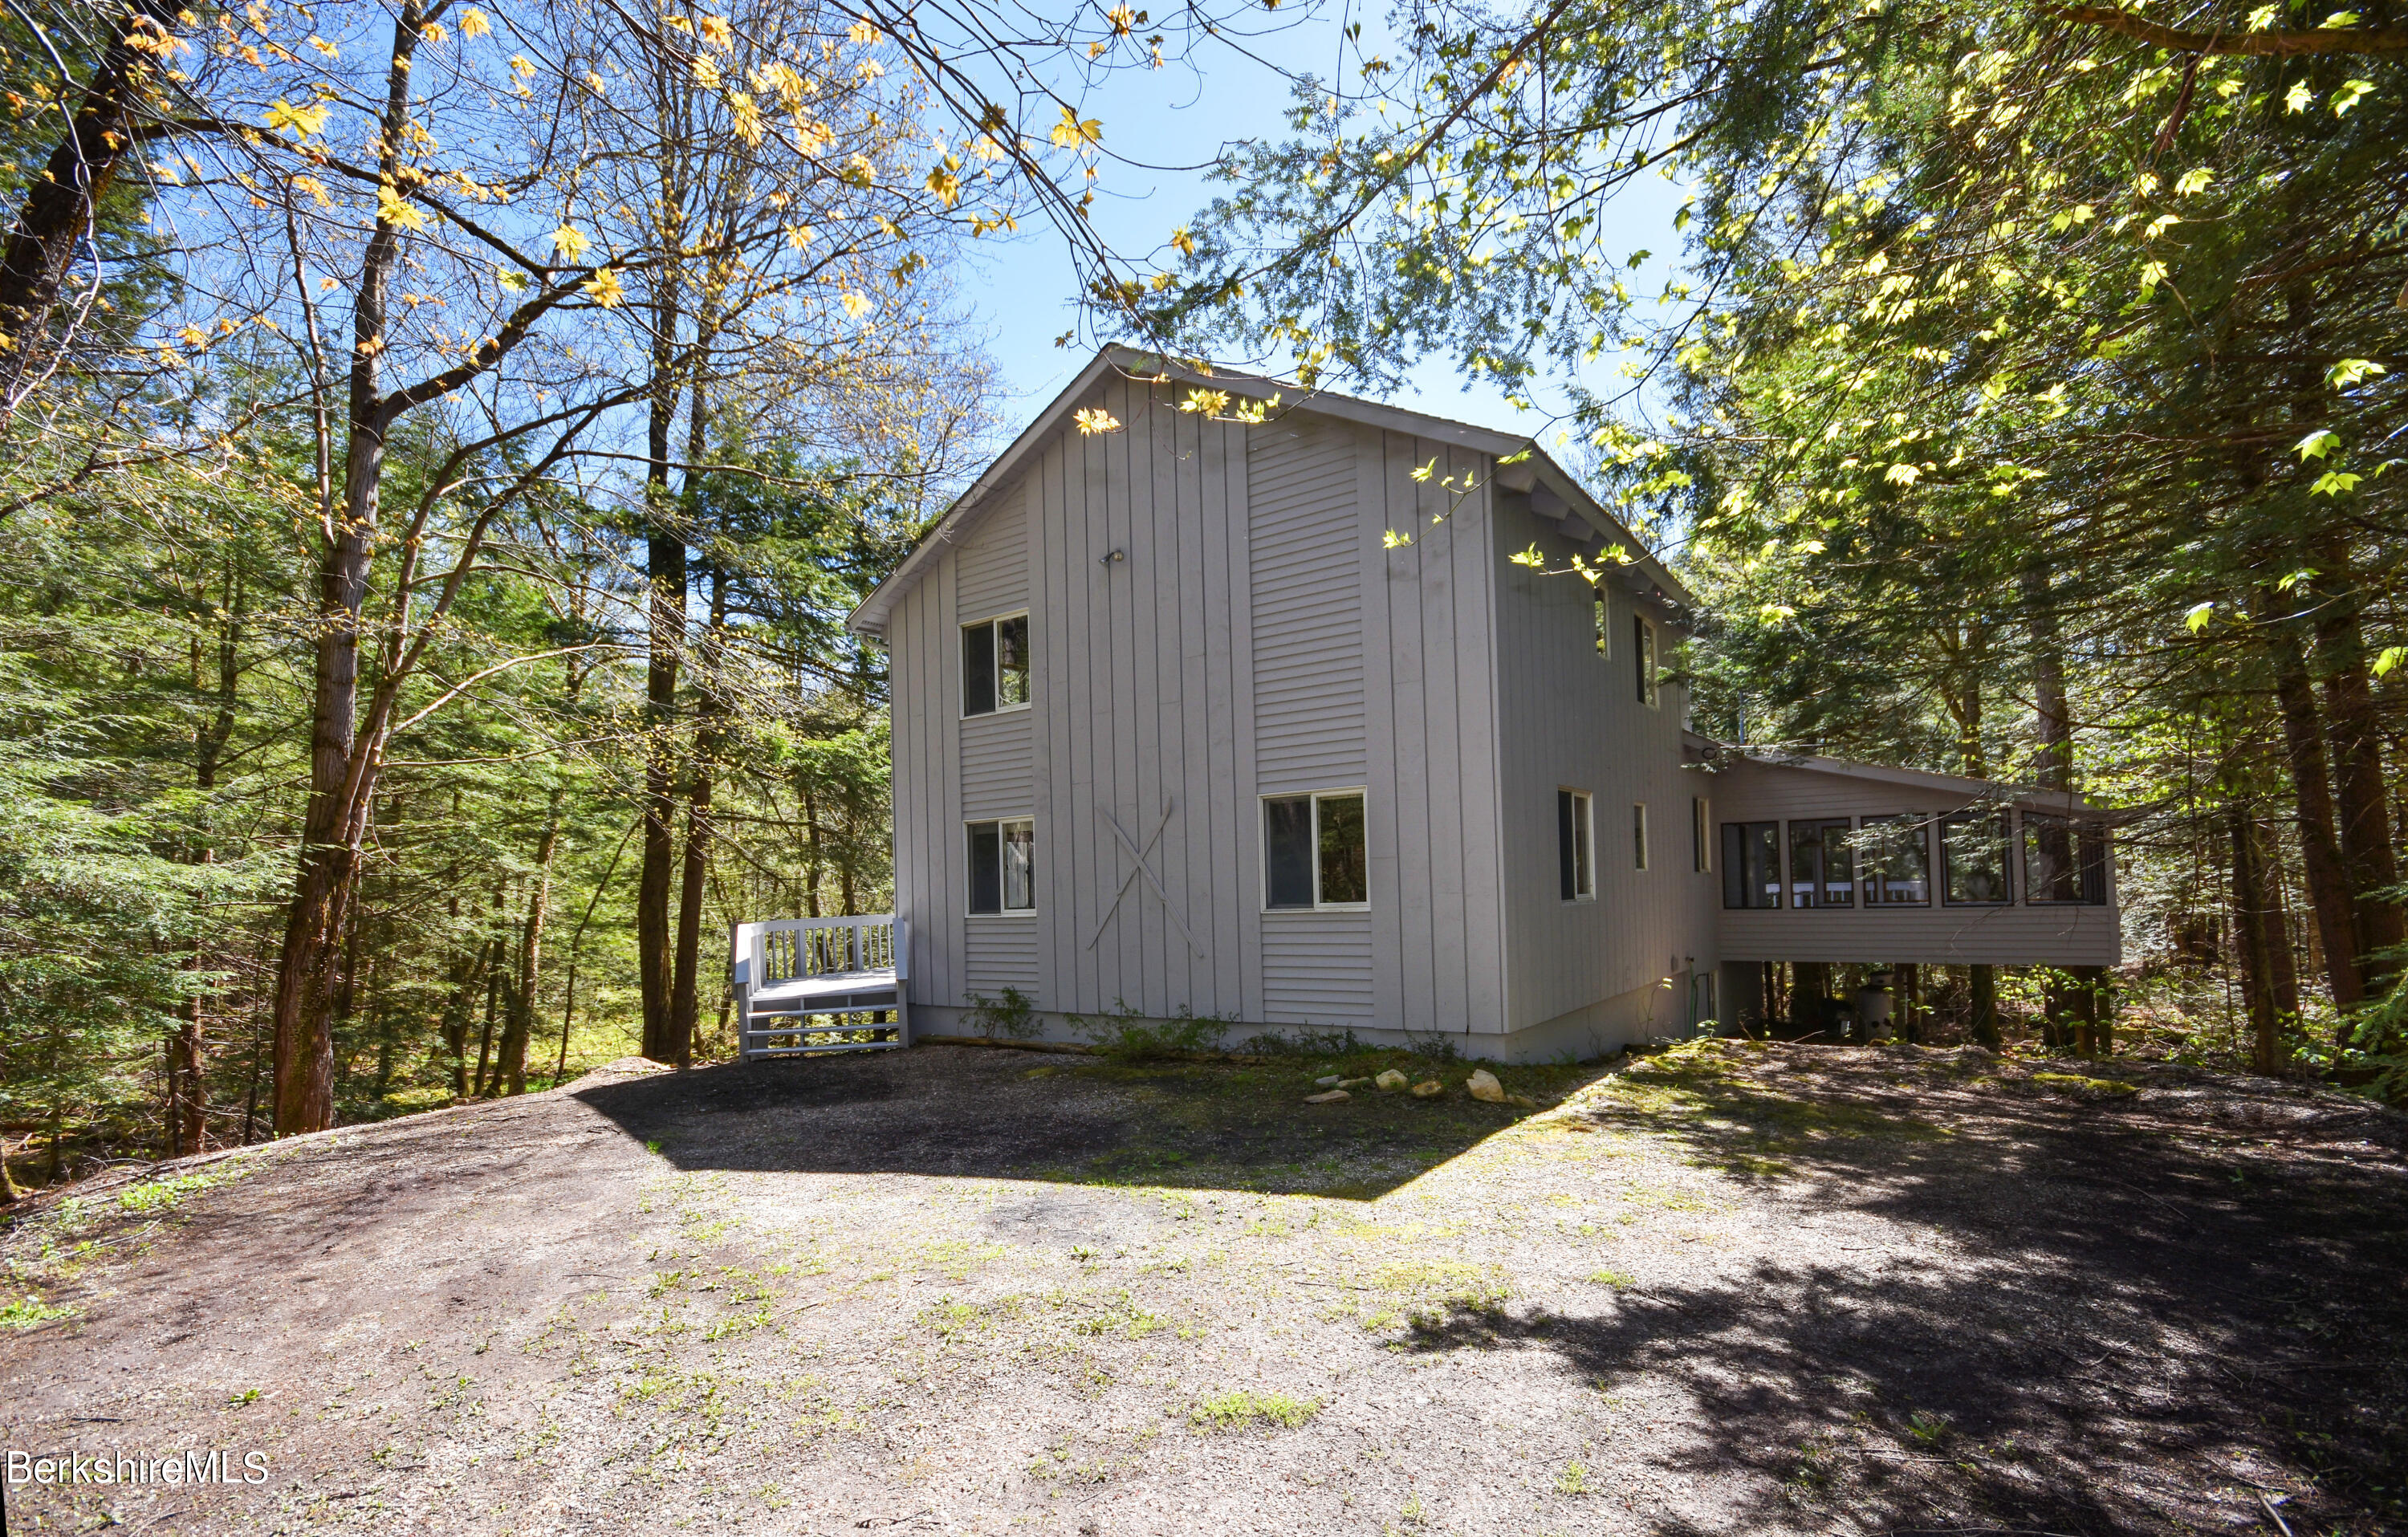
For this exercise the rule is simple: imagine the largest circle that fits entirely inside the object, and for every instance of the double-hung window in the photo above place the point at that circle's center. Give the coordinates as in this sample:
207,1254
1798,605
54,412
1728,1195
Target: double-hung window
995,665
2064,860
1973,860
1003,866
1643,656
1315,854
1576,844
1822,872
1750,864
1895,860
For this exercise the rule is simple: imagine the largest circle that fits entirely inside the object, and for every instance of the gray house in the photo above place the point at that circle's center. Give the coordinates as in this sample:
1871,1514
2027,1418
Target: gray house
1264,720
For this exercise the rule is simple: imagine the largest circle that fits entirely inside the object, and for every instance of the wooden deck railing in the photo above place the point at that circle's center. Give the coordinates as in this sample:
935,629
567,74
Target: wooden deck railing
822,984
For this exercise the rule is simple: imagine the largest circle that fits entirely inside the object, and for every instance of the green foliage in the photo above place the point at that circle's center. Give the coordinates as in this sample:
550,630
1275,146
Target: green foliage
1244,1409
1126,1035
1010,1017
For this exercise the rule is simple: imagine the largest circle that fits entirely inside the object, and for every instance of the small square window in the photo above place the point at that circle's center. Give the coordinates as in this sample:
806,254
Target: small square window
1003,866
995,665
1576,844
1314,851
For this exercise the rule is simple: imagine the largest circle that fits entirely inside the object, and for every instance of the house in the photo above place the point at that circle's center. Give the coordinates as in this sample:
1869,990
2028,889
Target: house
1263,719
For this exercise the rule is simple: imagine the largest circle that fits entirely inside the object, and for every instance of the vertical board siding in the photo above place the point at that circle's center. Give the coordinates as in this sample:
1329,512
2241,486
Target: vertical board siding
1307,605
1570,720
1436,920
1310,723
997,758
999,770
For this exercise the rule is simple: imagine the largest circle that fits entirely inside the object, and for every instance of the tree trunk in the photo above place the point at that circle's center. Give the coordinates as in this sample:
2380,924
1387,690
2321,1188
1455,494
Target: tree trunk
1985,985
521,1017
710,711
2365,820
2320,860
335,822
61,208
2249,925
1909,980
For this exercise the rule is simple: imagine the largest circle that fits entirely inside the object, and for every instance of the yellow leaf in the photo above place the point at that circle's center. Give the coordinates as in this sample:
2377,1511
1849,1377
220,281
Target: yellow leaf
473,23
715,31
301,120
570,242
705,72
1182,241
325,47
604,289
1096,420
194,335
862,31
397,211
856,306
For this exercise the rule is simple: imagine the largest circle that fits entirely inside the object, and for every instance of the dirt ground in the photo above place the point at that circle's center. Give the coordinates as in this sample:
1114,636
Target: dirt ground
1724,1289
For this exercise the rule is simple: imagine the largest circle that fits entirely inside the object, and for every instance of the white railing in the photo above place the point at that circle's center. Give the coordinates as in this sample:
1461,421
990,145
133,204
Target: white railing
791,977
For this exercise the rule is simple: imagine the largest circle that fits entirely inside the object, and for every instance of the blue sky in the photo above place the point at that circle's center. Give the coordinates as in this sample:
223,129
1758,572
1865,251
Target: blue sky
1022,289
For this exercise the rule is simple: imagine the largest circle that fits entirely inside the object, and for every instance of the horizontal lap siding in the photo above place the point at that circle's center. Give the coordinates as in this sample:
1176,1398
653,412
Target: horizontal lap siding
1307,606
997,772
1938,934
995,767
1001,953
1304,537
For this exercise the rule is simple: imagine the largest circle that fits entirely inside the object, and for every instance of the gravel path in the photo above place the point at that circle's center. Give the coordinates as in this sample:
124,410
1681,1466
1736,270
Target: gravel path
1724,1289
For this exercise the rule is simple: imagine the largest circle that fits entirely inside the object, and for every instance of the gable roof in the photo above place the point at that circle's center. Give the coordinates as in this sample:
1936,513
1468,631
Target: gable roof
983,493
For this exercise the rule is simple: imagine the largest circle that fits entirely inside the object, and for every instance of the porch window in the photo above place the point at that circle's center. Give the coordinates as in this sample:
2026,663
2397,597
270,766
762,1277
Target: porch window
2065,861
1576,844
1973,858
1822,866
1894,855
995,665
1750,864
1314,852
1003,866
1643,656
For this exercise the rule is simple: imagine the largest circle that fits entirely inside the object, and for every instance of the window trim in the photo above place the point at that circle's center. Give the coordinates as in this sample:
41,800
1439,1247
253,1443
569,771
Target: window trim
1736,870
2012,836
1638,836
970,830
1263,830
2093,855
1924,822
1643,657
1820,889
989,623
1584,845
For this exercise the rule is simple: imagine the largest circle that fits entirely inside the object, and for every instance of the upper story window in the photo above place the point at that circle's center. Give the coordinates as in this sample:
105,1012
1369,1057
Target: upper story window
1895,860
1973,858
1750,864
1822,868
1003,866
995,665
1576,844
1315,854
2064,860
1643,656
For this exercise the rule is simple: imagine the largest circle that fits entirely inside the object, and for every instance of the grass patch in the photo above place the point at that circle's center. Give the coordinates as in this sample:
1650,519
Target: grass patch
1616,1279
1245,1409
2076,1084
29,1310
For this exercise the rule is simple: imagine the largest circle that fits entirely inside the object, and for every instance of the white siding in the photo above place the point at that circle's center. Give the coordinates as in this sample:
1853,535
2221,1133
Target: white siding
991,567
1307,605
1572,720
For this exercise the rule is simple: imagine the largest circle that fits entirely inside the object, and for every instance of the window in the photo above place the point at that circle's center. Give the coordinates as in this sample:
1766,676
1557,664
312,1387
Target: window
1604,625
1822,866
1643,656
1003,866
1638,837
1576,844
995,665
1701,840
1974,857
1894,855
2064,860
1314,850
1750,864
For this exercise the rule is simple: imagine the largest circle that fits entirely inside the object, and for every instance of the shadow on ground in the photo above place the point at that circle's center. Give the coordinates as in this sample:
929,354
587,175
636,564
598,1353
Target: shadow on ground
977,1112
